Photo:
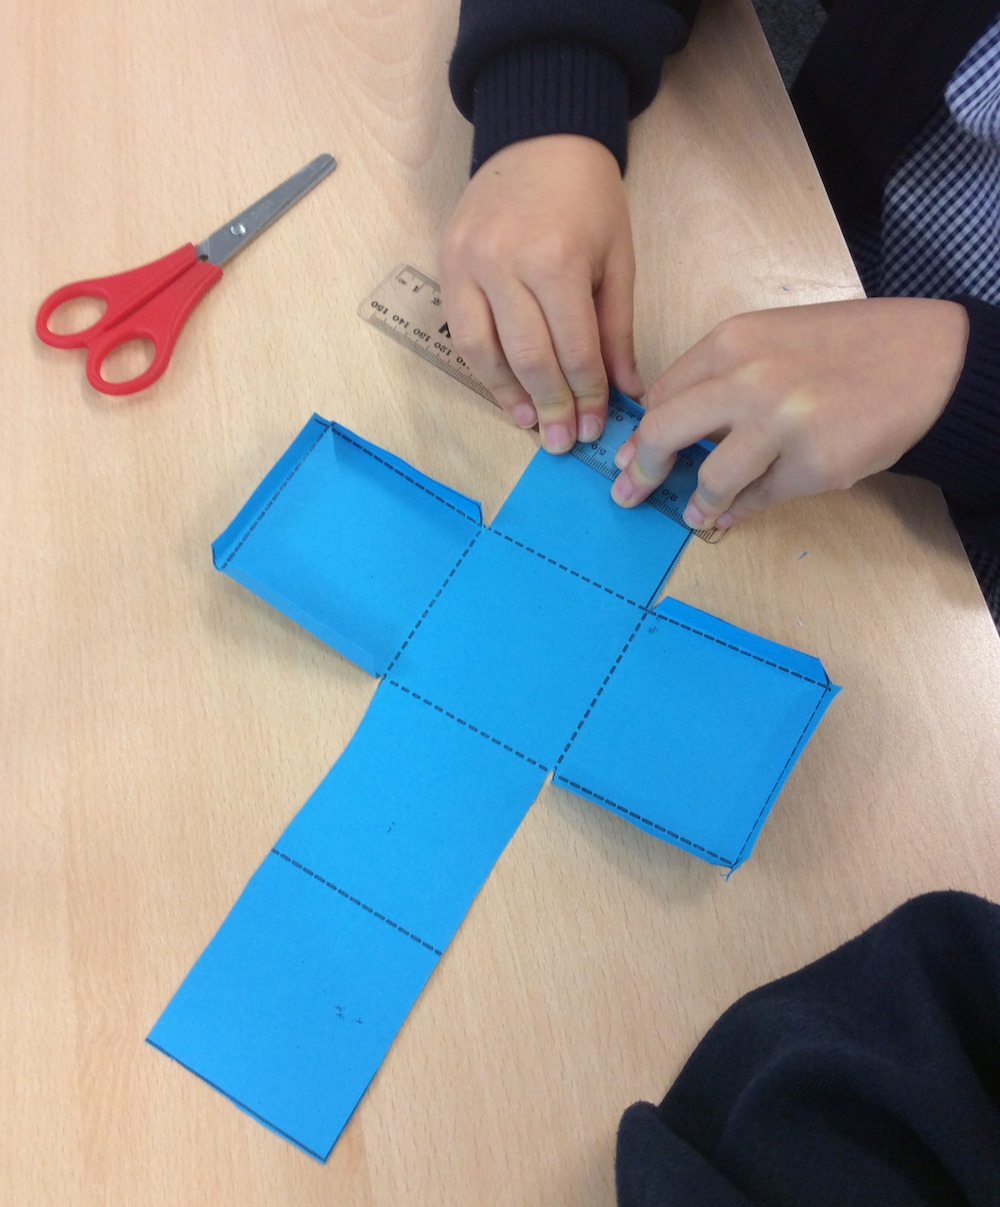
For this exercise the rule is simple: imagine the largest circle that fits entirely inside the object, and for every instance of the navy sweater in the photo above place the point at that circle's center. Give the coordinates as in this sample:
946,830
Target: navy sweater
876,74
873,1075
869,1077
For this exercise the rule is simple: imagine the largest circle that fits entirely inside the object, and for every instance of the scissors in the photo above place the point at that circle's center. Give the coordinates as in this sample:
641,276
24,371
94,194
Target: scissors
154,301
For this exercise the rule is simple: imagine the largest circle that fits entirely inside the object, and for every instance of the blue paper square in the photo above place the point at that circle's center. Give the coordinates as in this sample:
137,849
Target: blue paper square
414,814
347,540
703,766
293,1005
517,645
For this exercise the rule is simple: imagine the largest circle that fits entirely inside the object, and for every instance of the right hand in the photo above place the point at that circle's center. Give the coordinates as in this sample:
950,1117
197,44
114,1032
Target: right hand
806,398
537,271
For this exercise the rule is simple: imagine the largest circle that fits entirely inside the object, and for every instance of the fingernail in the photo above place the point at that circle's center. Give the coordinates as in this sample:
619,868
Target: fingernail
524,415
623,457
589,428
725,520
623,490
557,439
693,517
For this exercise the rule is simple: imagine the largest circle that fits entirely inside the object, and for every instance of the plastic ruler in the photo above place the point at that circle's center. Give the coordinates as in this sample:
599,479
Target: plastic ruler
406,306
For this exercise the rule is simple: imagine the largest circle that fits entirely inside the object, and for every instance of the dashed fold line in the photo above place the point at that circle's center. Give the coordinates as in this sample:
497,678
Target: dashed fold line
413,481
599,692
354,900
468,725
437,596
646,821
559,566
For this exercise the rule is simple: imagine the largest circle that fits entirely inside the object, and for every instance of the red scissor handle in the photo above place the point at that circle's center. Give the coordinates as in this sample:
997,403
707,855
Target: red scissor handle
124,293
151,302
160,321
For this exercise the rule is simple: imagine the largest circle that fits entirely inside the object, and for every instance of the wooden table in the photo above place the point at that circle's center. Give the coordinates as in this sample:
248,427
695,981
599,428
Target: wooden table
159,726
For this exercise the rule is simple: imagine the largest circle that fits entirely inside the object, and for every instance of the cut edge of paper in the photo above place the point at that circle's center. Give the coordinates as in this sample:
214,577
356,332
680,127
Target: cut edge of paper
337,641
252,1114
775,660
274,481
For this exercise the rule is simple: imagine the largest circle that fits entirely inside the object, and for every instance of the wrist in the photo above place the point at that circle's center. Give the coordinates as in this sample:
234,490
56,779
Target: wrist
961,450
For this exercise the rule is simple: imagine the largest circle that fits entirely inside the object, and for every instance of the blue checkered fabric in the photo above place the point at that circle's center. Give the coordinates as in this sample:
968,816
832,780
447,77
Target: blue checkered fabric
940,226
939,231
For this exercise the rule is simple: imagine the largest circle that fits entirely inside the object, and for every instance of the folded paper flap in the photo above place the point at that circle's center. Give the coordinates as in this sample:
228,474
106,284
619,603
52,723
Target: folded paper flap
509,651
702,769
823,700
275,480
348,541
780,657
225,546
468,508
641,822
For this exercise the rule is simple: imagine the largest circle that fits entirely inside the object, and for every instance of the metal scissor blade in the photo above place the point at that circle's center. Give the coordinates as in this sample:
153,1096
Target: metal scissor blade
244,228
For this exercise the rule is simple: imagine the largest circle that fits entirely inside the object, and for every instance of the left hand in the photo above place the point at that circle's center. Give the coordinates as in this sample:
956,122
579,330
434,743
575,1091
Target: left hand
536,279
801,400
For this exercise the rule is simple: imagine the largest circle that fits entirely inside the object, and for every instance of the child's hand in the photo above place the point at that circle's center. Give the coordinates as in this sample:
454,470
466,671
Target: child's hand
802,400
536,280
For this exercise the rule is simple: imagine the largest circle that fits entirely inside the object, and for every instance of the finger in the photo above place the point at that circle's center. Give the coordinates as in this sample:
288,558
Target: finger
625,491
613,302
626,451
782,481
713,355
474,334
648,455
744,457
527,345
572,322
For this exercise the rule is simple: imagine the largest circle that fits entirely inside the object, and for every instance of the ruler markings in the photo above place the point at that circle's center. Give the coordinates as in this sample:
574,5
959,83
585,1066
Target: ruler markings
406,306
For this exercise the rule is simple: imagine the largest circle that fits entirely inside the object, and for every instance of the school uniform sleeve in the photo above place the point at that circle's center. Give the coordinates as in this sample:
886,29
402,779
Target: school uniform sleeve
961,452
870,1076
873,78
525,68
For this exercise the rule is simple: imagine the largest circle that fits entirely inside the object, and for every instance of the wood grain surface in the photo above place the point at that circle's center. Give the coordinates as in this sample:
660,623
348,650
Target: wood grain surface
159,726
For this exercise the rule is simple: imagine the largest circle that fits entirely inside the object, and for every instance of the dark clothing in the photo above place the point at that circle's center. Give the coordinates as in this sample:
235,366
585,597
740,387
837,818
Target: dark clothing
531,67
874,77
873,1075
869,1077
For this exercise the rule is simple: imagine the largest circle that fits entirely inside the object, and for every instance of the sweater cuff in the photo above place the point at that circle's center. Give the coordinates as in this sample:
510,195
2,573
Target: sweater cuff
961,452
550,87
